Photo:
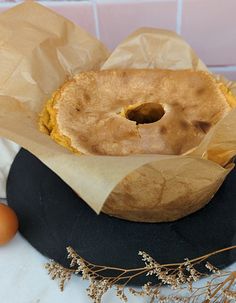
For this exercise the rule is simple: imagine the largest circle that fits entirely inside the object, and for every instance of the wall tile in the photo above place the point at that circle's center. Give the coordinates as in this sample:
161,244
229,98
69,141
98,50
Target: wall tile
210,27
81,13
118,19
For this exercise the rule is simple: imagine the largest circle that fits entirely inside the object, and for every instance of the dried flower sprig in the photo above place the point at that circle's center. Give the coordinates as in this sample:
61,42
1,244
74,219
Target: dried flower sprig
219,287
56,271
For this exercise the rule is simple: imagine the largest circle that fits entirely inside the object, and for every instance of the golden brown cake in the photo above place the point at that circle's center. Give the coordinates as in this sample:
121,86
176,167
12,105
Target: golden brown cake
123,112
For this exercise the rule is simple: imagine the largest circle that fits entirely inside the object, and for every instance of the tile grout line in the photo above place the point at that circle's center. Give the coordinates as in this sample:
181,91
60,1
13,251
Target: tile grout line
179,14
134,1
96,20
229,68
8,4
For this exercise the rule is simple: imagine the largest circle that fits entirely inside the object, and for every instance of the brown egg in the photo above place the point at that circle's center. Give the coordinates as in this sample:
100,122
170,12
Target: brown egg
8,224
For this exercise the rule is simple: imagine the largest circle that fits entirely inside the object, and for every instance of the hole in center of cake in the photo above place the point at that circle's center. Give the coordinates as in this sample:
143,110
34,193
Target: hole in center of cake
145,113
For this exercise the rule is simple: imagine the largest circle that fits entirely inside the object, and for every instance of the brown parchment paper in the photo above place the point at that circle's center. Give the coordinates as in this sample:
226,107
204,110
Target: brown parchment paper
39,49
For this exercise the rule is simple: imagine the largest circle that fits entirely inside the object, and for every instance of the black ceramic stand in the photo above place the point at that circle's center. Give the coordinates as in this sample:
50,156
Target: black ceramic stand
53,217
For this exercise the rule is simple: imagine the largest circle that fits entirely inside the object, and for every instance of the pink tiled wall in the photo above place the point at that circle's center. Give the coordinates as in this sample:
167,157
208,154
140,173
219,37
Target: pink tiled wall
208,25
117,19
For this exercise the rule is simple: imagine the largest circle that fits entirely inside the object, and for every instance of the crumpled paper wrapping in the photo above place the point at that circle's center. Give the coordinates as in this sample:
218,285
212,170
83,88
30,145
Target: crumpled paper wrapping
40,49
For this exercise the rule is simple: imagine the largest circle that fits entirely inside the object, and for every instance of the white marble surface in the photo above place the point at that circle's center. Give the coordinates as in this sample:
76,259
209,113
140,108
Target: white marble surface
23,278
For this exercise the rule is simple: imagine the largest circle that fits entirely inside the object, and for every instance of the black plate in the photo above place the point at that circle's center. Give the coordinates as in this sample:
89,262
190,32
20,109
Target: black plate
52,217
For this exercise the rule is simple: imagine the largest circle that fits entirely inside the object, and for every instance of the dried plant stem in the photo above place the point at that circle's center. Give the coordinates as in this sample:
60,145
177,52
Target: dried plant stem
194,261
220,287
204,257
